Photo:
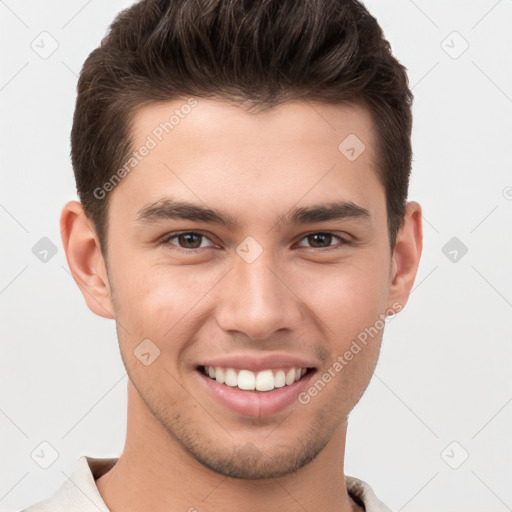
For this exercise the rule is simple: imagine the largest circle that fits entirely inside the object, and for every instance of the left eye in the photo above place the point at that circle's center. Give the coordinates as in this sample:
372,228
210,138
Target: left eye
192,240
322,239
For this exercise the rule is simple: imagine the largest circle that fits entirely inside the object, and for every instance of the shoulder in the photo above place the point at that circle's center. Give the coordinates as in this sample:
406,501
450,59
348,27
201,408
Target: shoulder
363,494
78,493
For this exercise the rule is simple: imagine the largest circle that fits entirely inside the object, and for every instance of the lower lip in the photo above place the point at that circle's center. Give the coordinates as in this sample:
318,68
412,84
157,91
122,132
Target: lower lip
256,404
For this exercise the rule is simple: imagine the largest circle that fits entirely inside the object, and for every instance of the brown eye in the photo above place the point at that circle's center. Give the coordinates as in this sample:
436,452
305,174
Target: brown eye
324,239
190,240
321,240
185,240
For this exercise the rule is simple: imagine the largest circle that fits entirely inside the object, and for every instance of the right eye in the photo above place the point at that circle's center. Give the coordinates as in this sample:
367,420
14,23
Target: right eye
187,240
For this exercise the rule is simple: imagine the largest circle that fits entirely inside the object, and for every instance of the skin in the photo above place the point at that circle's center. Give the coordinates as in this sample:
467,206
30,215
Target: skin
183,449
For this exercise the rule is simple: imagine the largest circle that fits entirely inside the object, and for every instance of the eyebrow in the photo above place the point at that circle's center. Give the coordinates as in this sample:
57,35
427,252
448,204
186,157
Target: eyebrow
182,210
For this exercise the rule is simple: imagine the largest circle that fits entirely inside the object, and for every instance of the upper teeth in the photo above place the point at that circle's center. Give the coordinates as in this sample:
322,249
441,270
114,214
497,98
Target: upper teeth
265,380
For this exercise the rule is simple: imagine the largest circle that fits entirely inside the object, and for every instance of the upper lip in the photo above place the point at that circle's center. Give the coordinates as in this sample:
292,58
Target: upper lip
260,362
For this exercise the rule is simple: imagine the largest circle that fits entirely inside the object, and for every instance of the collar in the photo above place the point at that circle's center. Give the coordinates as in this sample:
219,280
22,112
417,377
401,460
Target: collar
79,492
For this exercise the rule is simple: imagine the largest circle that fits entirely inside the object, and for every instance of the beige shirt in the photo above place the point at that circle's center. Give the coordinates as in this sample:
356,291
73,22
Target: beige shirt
80,494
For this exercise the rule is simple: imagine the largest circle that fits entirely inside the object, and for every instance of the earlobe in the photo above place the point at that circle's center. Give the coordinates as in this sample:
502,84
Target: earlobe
406,255
86,263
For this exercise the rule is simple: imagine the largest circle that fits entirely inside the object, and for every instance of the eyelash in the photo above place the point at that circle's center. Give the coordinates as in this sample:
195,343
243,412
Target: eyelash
167,240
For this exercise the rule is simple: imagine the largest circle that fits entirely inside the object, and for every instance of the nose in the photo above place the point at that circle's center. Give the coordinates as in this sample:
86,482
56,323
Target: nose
258,299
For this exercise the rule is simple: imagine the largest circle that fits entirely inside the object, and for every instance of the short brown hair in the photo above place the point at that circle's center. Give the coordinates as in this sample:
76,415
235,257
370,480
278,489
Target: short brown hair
253,52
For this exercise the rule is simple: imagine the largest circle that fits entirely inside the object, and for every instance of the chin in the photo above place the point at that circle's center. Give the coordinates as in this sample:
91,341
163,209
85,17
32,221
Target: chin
248,463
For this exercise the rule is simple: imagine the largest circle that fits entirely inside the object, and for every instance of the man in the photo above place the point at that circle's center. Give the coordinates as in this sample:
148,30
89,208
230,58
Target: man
217,148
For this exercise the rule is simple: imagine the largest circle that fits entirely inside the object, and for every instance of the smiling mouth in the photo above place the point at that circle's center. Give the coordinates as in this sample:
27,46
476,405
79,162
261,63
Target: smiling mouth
247,380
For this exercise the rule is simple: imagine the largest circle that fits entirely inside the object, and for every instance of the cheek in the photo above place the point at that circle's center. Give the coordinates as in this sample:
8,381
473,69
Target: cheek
160,301
351,305
347,298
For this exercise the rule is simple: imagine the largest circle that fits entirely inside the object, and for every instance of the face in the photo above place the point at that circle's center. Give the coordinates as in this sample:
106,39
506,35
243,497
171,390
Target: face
244,245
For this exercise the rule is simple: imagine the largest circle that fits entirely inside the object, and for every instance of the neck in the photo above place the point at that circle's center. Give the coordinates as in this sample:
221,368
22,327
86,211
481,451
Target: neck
154,472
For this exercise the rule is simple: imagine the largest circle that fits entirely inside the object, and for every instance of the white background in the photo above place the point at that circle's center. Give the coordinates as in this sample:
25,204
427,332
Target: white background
445,368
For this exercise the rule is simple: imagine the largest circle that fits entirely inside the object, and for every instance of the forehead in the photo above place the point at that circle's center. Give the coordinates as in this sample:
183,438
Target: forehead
210,151
213,122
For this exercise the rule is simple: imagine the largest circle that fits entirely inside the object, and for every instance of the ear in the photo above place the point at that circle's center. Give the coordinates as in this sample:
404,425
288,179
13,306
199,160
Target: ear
406,256
85,260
